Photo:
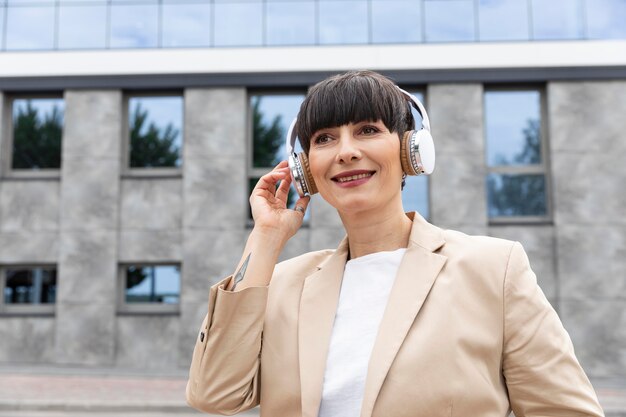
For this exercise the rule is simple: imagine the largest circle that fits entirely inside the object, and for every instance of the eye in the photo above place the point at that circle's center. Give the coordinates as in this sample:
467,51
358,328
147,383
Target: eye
321,139
369,130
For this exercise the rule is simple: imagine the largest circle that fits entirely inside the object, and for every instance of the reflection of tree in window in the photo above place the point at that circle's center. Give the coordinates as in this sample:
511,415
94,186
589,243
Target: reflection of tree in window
531,152
519,195
151,146
136,276
37,142
268,137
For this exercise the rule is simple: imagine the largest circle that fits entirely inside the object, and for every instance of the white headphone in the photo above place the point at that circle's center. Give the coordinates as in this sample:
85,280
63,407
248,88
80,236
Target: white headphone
417,152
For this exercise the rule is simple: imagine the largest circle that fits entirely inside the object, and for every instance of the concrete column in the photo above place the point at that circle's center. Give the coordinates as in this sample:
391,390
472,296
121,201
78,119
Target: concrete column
588,149
90,188
215,200
458,182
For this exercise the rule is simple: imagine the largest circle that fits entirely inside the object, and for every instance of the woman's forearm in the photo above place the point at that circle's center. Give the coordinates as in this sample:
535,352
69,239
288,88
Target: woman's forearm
260,255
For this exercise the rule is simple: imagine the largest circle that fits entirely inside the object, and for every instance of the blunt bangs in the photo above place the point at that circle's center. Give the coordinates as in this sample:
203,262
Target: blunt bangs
353,97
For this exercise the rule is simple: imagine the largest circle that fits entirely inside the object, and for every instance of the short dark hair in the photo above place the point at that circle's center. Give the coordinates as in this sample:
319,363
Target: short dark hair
353,97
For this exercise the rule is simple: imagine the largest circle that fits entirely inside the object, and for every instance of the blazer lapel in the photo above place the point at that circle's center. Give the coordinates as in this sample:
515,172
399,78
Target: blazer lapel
318,306
416,275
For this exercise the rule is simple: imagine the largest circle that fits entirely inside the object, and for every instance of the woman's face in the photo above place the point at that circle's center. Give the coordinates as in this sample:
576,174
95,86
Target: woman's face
356,167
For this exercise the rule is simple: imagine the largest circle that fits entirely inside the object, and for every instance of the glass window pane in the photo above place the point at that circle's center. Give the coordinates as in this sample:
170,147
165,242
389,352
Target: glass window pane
516,195
30,286
291,23
271,117
11,2
512,127
186,25
501,20
153,284
343,22
449,21
30,28
156,131
557,19
2,10
396,21
37,133
134,26
415,195
247,15
82,27
606,19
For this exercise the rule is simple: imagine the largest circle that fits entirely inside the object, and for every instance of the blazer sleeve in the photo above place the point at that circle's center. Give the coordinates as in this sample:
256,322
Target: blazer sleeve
224,377
542,374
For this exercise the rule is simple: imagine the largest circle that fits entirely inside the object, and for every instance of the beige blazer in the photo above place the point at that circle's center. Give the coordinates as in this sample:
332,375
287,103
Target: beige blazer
466,332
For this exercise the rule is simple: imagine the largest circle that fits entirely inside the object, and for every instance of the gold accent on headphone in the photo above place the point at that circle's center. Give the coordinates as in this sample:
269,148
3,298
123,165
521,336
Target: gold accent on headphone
308,177
405,153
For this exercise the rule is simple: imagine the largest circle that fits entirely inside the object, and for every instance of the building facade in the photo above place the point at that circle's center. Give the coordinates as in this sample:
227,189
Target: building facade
131,133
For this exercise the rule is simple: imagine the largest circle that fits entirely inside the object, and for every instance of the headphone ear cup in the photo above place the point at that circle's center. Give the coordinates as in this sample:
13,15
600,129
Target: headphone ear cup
405,153
417,152
308,178
301,174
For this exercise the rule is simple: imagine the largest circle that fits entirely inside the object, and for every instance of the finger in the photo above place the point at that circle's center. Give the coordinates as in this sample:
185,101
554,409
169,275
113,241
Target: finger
282,193
268,181
302,204
281,164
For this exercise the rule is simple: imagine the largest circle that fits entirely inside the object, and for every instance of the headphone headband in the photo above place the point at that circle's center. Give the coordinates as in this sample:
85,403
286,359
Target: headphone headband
291,134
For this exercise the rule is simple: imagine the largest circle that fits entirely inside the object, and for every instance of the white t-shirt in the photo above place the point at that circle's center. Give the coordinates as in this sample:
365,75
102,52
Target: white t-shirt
365,289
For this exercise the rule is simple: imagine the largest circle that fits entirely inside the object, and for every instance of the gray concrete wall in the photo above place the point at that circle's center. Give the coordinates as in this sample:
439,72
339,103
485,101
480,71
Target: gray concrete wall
588,143
93,219
89,224
457,195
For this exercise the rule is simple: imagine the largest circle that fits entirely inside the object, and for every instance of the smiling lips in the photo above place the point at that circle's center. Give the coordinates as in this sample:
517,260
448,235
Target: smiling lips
353,178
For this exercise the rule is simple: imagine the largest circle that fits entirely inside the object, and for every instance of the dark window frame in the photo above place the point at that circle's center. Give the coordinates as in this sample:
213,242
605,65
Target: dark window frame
149,172
146,308
33,309
544,168
6,138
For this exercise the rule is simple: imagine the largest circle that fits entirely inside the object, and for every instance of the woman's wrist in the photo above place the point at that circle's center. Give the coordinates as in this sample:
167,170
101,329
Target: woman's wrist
271,236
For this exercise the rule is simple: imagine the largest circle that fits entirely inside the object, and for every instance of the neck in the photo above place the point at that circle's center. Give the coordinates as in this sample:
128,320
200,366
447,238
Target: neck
376,230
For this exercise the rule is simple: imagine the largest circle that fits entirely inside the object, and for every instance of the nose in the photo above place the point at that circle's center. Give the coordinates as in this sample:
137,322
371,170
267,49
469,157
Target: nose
348,147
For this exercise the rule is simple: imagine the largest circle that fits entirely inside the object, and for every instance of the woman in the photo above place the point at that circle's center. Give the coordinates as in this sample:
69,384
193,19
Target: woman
402,319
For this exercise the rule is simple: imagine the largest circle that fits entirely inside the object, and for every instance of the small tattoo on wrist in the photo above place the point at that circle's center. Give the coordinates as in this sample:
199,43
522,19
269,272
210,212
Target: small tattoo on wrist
242,271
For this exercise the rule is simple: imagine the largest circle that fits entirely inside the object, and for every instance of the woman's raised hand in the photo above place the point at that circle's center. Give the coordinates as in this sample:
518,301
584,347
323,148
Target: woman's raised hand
269,204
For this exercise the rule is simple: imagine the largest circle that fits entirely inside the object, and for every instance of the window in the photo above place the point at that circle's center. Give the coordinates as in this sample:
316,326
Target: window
82,26
396,21
503,20
343,21
517,188
270,117
606,19
150,288
290,23
28,289
30,28
134,25
36,128
2,12
415,195
248,15
449,21
186,25
155,133
557,19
